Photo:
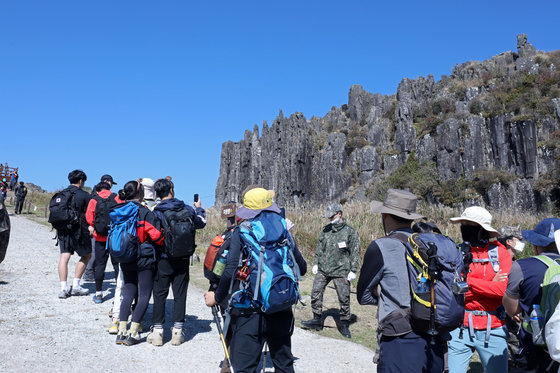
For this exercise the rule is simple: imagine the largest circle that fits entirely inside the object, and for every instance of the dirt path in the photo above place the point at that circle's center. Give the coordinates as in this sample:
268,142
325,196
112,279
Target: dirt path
44,333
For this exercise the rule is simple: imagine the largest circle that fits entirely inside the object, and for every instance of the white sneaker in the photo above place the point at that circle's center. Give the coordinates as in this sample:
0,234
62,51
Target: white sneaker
155,337
78,290
64,293
177,336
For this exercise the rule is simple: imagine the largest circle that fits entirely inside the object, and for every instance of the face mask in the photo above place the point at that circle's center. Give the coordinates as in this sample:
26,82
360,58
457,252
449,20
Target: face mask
335,220
519,246
475,234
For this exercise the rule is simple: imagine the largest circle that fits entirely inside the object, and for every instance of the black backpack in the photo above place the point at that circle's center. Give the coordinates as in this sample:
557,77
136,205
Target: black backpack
179,233
102,220
63,216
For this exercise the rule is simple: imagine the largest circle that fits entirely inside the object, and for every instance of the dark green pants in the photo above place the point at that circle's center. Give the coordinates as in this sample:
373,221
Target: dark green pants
342,287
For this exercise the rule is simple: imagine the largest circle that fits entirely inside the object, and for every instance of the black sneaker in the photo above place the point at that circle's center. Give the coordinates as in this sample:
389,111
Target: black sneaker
120,339
131,340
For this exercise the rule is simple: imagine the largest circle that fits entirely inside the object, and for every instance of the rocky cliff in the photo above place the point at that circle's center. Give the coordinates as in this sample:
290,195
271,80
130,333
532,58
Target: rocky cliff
488,133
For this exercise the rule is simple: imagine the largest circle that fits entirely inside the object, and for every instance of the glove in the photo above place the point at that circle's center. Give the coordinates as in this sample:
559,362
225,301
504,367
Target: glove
351,276
315,269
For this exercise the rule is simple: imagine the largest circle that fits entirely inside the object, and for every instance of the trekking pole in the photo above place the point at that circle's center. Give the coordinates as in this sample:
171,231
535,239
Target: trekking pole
221,332
264,357
433,273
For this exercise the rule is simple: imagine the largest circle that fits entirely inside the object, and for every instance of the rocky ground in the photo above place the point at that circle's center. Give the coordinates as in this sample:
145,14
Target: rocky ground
44,333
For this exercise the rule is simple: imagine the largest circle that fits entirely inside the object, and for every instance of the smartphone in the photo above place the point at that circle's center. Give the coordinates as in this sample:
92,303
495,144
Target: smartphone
196,197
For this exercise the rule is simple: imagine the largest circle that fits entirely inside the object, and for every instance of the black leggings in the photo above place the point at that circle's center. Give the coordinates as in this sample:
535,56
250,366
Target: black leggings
140,282
100,263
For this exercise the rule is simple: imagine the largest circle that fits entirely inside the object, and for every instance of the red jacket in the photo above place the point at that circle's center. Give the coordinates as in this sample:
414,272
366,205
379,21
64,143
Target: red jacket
485,294
149,226
90,213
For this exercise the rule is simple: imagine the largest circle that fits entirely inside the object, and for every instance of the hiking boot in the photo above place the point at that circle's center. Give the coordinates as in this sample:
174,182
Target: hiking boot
98,299
343,329
316,323
78,290
177,336
155,337
64,294
114,328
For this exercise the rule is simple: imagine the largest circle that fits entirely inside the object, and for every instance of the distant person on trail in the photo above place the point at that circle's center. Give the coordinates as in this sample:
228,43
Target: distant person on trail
384,281
251,327
524,290
75,239
336,259
21,193
3,193
89,274
484,320
13,180
97,216
172,270
139,274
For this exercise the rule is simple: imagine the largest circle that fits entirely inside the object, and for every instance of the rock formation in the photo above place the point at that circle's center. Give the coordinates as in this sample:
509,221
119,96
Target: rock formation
489,132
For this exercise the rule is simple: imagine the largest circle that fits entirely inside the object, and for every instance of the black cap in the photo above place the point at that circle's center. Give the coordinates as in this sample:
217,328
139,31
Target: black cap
108,177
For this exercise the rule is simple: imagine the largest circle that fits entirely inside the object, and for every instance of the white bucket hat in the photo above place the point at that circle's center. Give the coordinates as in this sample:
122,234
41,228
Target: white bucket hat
478,215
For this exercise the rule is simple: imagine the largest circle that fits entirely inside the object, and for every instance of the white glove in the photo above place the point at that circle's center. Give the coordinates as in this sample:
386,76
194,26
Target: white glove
315,269
351,276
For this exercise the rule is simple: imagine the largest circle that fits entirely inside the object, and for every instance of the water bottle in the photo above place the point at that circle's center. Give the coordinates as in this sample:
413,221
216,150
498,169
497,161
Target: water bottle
537,321
220,265
423,287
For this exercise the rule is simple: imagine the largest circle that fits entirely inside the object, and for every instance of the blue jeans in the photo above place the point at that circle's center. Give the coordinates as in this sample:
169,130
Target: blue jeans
494,357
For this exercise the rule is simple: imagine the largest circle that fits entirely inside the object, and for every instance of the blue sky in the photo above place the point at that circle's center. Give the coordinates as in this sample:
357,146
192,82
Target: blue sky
149,89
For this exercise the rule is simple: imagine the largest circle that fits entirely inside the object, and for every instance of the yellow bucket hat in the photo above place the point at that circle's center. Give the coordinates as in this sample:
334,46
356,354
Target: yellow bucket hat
255,201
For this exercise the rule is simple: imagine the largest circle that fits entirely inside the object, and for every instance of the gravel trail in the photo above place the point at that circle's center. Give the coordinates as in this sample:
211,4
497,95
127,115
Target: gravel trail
45,334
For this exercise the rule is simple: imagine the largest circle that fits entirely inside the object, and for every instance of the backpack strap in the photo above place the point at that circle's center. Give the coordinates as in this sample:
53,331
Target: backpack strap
548,261
493,258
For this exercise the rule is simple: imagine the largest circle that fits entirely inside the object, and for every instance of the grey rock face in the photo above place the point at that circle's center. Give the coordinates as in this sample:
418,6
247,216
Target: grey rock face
319,160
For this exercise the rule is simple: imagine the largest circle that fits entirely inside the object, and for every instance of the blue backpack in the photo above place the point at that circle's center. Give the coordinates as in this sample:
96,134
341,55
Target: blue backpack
272,283
122,241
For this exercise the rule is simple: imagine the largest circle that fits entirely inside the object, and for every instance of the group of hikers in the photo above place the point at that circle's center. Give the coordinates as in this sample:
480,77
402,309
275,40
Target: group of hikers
438,301
19,189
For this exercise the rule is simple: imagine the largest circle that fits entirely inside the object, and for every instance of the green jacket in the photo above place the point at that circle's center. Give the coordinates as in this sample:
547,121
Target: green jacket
338,250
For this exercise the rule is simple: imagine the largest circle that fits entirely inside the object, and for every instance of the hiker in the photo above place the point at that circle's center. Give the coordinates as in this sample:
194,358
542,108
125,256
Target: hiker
173,270
21,192
138,274
74,238
384,281
483,328
511,238
97,215
13,180
149,193
524,290
336,259
251,327
3,193
89,273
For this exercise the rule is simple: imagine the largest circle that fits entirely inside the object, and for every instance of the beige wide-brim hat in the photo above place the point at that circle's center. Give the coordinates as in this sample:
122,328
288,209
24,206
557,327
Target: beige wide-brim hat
478,215
398,202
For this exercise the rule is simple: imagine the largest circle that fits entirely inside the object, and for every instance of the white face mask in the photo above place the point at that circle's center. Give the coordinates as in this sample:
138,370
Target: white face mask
335,220
519,246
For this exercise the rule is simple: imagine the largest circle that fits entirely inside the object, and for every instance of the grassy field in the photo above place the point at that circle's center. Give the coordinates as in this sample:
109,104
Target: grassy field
308,224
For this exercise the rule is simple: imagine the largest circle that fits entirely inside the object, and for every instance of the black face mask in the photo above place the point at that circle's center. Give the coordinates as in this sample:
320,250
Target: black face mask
475,234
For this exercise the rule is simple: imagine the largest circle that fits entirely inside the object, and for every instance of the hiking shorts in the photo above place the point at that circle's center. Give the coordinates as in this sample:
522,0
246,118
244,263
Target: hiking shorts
71,242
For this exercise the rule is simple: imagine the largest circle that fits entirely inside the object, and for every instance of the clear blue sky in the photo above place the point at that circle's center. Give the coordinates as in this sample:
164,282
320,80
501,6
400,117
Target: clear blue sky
153,88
